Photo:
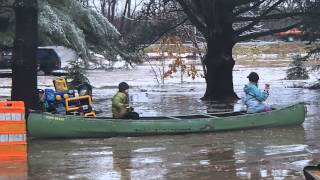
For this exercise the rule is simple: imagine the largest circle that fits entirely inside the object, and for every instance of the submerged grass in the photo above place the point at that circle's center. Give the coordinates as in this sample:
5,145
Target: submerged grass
259,54
250,48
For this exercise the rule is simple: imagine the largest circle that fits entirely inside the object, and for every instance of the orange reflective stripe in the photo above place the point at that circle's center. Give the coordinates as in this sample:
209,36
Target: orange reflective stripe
11,110
13,132
12,122
11,104
18,126
9,155
20,158
11,149
12,107
13,143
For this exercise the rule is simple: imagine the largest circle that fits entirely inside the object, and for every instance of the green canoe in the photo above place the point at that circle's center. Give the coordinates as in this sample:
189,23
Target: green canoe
45,125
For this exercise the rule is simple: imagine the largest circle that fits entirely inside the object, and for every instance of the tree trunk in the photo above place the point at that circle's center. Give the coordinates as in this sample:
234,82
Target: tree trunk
218,60
103,8
219,65
123,19
24,67
113,8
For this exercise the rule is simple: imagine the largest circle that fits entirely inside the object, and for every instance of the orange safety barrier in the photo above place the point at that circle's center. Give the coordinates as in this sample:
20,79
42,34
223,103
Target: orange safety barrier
13,149
11,107
13,134
12,126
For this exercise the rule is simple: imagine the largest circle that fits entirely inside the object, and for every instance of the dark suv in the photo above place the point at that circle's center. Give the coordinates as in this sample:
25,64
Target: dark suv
47,58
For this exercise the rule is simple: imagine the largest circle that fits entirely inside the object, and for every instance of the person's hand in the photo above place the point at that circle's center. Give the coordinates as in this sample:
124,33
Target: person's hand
267,87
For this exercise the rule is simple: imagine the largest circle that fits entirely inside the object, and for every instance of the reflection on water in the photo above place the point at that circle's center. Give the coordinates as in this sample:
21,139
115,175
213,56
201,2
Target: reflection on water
276,153
13,169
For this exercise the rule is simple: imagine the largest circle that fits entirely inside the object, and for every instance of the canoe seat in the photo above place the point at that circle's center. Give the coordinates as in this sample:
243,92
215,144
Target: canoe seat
173,117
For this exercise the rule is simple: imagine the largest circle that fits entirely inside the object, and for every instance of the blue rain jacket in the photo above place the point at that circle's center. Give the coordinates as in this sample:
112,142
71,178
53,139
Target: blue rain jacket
254,98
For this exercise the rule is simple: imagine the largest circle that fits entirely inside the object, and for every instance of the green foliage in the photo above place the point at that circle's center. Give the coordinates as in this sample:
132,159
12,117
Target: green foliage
6,26
69,24
311,27
6,39
76,73
297,69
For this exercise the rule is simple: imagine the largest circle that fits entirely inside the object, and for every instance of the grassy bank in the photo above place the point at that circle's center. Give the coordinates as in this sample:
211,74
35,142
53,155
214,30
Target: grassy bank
252,53
249,48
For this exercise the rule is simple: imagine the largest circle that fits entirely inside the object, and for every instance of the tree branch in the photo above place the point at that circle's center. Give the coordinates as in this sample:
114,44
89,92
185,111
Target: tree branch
257,20
265,33
163,33
192,17
6,6
195,44
272,16
243,10
242,2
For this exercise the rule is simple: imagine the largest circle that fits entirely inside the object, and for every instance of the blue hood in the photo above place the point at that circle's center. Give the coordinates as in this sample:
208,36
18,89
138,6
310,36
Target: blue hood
249,88
252,90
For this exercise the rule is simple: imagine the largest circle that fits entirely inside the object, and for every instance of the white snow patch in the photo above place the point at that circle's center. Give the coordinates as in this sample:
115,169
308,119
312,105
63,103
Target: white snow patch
119,64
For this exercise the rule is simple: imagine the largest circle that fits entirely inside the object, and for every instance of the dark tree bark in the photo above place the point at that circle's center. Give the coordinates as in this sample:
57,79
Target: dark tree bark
24,67
215,23
223,23
113,9
103,4
122,23
218,60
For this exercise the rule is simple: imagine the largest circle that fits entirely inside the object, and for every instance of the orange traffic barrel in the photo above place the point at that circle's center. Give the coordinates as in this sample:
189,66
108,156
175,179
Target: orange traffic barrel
13,133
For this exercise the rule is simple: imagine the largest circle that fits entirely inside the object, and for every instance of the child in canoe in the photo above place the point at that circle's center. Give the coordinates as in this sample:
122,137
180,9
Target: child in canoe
254,96
120,104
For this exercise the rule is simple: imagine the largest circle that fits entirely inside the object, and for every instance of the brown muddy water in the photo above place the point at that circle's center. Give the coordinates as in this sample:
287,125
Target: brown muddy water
275,153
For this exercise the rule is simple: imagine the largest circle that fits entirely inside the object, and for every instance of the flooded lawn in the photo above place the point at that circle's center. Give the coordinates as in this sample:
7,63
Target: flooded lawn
275,153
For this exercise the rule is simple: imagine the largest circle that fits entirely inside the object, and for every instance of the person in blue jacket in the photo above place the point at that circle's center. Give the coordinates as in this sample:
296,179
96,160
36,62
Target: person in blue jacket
254,96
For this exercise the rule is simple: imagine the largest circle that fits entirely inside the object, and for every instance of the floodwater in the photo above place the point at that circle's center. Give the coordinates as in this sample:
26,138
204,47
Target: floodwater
274,153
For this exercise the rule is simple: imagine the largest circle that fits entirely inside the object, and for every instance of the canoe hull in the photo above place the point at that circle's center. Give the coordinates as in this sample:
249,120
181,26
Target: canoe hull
45,125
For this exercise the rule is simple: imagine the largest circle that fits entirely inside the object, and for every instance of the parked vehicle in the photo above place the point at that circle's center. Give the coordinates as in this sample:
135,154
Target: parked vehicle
47,58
